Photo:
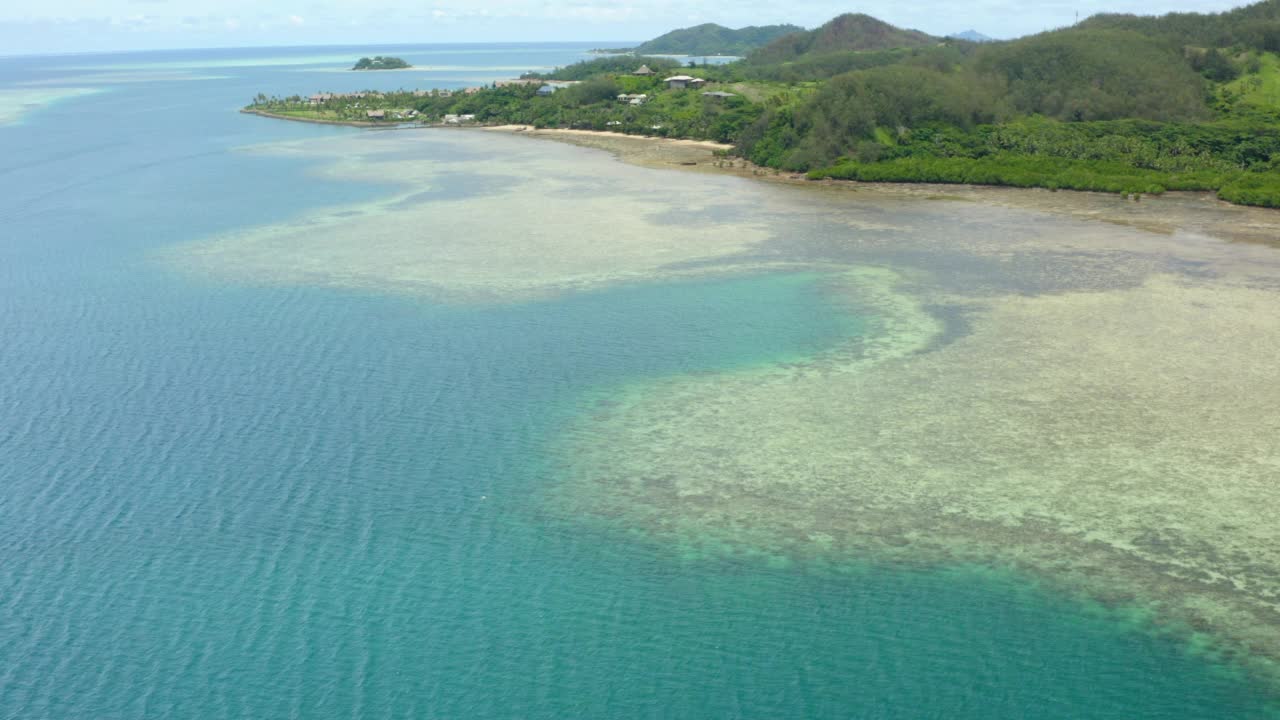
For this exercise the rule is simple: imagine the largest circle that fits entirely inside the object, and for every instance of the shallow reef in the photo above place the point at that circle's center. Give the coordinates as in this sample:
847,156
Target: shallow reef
16,103
482,218
1121,443
1077,386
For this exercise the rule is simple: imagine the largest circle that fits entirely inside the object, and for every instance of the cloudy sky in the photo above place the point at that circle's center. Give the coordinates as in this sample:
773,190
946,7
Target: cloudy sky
57,26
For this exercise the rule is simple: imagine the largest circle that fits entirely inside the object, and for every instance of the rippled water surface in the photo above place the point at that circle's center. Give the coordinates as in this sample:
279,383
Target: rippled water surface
302,421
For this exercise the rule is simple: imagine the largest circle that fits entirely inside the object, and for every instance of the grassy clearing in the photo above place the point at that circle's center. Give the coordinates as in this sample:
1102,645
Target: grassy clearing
1260,89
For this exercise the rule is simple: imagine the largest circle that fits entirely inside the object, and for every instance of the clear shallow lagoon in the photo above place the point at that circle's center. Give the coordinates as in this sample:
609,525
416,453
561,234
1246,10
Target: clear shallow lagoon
240,494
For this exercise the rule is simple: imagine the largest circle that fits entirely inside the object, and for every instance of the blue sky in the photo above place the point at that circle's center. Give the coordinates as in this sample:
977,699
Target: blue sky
56,26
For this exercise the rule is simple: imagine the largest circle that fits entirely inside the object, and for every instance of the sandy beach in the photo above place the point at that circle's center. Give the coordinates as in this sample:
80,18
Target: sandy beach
652,151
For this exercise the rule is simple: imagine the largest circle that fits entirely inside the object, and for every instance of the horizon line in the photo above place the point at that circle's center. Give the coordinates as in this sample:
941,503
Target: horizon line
75,53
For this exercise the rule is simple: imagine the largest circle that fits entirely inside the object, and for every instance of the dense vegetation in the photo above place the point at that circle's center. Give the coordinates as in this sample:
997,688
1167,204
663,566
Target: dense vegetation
1254,26
380,63
1238,158
712,39
1117,103
1112,106
1100,75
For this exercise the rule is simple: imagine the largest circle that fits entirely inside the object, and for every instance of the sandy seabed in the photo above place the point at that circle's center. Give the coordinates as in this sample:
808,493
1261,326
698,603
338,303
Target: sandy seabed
16,103
1081,387
478,218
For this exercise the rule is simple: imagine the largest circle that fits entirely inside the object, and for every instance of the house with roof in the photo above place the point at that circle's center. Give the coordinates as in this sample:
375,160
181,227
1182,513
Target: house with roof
376,114
550,86
644,71
681,82
718,95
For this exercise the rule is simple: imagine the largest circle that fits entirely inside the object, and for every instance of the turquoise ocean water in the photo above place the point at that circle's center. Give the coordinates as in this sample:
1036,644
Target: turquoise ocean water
223,500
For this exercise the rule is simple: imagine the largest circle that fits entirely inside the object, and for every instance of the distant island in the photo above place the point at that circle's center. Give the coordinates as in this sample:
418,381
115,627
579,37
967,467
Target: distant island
1133,105
379,62
712,39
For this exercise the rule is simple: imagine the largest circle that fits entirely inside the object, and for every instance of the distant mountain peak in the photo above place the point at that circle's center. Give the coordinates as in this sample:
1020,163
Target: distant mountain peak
971,36
851,32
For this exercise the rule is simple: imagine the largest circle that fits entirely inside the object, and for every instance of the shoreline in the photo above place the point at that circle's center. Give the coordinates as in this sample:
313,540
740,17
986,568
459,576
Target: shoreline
644,150
568,132
1172,213
1226,220
313,121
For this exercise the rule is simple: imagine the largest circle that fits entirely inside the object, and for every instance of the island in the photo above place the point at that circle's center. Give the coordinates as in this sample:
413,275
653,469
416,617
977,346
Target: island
1133,105
378,62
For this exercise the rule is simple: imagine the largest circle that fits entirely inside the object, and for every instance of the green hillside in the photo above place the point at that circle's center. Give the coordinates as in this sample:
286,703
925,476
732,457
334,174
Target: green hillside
712,39
1258,89
1117,104
1255,26
845,33
1093,75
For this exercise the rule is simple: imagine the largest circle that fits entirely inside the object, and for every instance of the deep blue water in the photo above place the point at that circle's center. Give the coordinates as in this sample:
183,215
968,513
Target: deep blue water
224,500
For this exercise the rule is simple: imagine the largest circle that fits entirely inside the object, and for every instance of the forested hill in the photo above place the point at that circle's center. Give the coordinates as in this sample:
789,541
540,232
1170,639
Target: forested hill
1255,26
1123,103
847,33
712,39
